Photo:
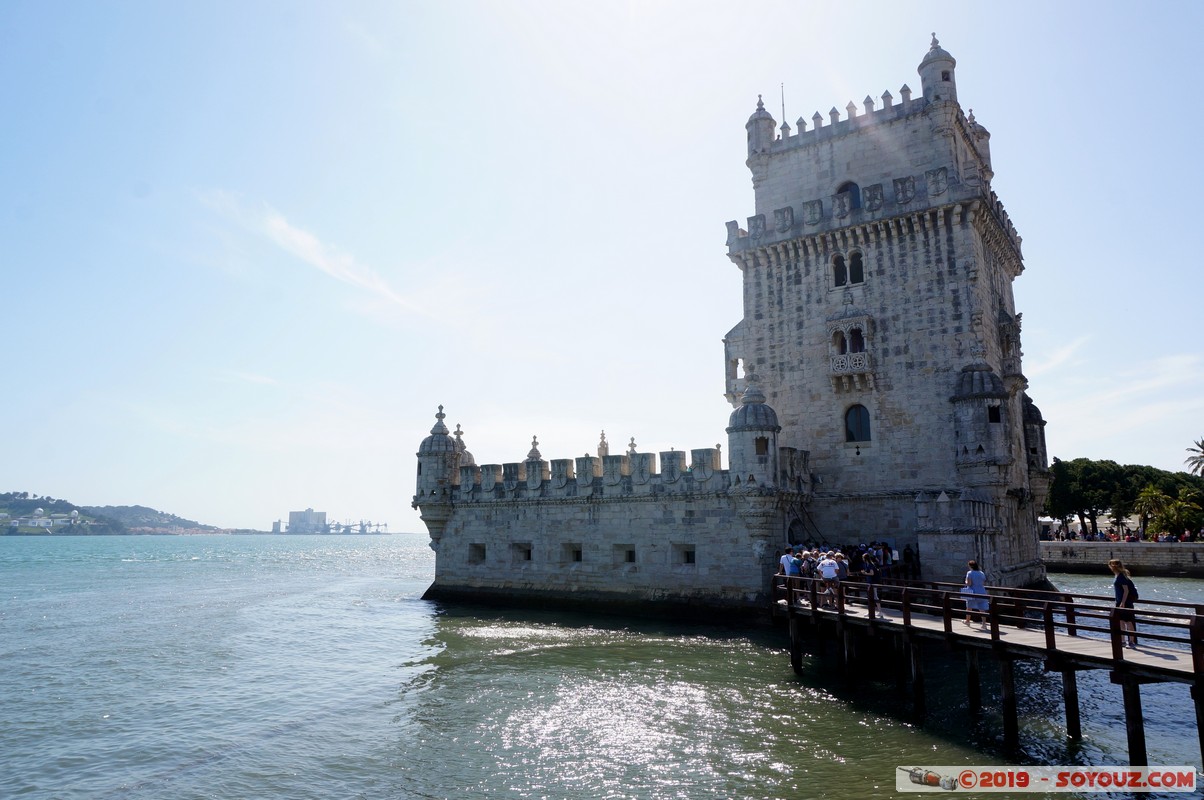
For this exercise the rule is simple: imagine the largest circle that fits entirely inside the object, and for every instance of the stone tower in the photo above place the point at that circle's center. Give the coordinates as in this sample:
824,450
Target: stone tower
880,322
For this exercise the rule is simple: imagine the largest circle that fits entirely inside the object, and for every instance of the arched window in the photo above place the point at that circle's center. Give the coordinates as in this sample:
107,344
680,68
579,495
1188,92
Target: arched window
856,341
854,193
840,273
839,343
857,424
856,270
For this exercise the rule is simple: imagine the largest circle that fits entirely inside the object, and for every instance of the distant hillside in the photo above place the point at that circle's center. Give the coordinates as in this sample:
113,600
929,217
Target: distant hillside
141,517
23,507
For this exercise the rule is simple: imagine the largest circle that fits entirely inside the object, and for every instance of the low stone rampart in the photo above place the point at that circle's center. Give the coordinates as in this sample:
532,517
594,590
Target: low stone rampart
1160,559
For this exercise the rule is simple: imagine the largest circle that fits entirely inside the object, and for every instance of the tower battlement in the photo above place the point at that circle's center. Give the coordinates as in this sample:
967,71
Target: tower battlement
627,475
870,114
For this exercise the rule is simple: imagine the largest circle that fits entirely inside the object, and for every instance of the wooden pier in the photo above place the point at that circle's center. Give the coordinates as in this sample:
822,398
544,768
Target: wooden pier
1066,632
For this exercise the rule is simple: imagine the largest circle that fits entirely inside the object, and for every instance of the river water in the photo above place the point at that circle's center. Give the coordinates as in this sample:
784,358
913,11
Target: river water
310,667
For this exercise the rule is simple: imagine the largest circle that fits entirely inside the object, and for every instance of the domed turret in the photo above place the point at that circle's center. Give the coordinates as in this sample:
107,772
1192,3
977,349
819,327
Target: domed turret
978,380
466,458
753,414
760,127
752,436
437,461
980,417
937,79
1034,435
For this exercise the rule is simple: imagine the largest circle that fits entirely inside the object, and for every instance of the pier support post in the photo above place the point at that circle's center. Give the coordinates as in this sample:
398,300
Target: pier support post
1134,724
850,652
1007,697
973,683
1070,698
901,665
796,644
1197,695
917,678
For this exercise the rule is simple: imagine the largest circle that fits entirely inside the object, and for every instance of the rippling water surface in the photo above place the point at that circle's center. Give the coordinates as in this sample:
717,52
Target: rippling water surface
309,667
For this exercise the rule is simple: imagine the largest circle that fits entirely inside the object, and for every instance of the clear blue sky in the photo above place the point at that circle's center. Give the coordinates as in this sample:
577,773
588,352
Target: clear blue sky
248,247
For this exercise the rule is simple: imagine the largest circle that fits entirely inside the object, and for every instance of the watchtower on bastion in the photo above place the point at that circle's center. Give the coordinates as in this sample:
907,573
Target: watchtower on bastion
876,378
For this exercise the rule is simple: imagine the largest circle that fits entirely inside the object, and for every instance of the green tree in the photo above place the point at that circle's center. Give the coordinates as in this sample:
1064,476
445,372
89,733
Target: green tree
1151,502
1195,461
1181,513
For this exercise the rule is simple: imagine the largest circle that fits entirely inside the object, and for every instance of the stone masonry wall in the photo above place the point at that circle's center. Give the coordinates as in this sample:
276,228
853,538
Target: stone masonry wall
1185,559
680,548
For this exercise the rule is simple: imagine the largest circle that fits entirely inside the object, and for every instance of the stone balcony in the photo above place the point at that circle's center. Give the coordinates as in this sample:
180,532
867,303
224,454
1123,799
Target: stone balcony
852,371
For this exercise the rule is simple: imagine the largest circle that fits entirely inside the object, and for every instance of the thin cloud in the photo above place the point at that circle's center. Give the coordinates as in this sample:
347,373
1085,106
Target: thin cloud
248,377
1058,358
307,247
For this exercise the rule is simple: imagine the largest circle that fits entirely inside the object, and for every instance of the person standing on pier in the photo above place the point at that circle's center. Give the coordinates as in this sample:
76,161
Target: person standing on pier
789,566
1126,593
976,584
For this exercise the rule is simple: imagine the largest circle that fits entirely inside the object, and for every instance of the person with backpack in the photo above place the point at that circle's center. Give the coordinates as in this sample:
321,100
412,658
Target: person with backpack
1126,594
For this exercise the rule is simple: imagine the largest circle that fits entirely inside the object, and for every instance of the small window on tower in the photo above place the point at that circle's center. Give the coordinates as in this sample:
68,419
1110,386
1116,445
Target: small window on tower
945,75
839,343
993,414
762,446
857,424
856,269
856,341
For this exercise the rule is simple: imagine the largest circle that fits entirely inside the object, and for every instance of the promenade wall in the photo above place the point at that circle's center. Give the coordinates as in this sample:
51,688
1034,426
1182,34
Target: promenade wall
1160,559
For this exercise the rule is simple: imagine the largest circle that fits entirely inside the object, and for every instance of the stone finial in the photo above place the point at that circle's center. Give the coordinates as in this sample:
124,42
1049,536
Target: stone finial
851,110
631,446
970,119
801,124
868,102
603,447
785,130
834,115
534,455
905,93
887,99
818,119
935,44
760,103
439,426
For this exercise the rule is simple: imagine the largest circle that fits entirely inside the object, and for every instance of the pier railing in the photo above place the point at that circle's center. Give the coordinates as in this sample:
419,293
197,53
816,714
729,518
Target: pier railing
1169,625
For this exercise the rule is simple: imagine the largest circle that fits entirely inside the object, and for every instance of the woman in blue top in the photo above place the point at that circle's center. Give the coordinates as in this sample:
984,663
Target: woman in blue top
1126,593
976,584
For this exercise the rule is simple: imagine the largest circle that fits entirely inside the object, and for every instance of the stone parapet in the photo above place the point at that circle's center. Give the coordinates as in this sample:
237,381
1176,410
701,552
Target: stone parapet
1161,559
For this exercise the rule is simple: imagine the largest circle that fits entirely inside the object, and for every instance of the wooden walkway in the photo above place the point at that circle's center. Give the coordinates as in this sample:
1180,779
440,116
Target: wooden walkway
1067,632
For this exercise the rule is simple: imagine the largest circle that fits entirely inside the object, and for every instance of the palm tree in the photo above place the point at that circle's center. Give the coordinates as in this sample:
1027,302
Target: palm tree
1180,513
1195,462
1150,502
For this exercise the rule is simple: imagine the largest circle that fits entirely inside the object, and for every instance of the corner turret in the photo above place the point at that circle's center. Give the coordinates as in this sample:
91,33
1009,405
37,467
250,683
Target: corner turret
980,418
760,127
752,436
937,78
438,458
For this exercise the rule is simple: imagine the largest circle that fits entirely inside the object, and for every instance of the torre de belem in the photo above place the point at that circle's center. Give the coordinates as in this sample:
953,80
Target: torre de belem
876,379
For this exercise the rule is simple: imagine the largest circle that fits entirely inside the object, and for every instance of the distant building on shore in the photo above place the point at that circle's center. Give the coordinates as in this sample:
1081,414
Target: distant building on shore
307,521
